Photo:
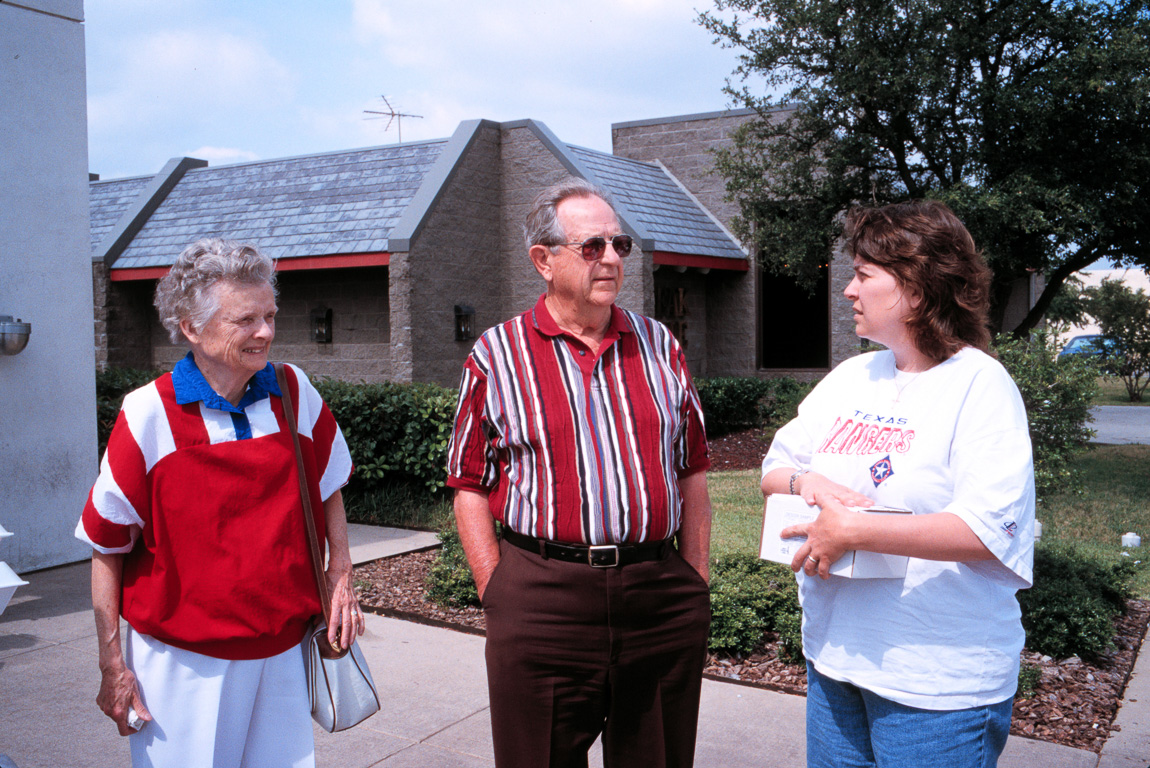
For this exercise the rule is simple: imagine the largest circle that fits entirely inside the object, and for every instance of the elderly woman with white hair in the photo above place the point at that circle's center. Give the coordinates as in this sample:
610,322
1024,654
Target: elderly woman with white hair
197,527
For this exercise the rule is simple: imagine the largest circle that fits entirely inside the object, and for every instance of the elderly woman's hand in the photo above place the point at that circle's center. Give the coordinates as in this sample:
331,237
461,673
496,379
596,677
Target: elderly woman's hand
828,538
346,620
119,695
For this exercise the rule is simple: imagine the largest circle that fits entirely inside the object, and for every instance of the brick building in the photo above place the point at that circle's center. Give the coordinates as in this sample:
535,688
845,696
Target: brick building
381,250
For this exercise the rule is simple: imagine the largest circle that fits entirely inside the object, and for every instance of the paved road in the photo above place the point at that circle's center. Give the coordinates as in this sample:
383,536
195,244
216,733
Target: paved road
1121,424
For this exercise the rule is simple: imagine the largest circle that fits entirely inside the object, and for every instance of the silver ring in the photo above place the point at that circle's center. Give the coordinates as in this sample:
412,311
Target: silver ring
816,562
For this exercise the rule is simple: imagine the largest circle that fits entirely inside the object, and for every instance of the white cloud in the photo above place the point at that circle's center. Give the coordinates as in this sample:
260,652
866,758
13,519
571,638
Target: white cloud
294,77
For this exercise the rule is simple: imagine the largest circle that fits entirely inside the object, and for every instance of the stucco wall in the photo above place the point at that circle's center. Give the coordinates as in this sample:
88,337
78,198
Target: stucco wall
47,392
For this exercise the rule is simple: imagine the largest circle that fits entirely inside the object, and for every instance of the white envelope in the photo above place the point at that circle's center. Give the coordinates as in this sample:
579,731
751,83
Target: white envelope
783,510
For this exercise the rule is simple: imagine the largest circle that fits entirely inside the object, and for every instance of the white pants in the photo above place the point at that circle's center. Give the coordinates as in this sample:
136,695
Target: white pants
218,713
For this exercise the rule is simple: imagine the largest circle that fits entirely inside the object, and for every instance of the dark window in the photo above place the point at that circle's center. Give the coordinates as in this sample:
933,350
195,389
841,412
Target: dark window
794,323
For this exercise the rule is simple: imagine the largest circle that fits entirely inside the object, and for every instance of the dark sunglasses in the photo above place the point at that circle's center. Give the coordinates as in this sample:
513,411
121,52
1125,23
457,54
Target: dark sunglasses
593,248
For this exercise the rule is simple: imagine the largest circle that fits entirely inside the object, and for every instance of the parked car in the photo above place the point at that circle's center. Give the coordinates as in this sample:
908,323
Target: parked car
1089,344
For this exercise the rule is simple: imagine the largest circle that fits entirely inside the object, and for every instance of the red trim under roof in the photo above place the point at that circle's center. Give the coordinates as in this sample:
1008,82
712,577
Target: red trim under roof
335,261
702,262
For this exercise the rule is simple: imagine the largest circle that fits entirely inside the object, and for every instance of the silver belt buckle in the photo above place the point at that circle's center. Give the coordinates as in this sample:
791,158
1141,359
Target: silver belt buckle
598,557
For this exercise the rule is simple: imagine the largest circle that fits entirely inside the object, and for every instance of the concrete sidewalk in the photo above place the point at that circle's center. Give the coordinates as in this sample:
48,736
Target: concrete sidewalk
434,692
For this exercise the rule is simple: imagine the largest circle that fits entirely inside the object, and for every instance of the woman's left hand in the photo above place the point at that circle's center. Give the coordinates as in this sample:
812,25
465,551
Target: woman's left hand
827,539
346,620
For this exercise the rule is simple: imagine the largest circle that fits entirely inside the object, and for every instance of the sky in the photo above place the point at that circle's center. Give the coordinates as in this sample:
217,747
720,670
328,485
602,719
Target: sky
232,81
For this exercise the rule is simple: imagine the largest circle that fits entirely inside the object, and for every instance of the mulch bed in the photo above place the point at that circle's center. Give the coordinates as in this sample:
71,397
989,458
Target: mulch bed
1073,704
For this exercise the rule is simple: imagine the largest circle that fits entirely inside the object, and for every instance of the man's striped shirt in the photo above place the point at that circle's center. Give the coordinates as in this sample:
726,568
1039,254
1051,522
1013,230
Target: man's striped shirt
576,447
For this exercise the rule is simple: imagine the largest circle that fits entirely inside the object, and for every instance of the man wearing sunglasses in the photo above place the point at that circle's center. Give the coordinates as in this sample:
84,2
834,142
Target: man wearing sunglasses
580,431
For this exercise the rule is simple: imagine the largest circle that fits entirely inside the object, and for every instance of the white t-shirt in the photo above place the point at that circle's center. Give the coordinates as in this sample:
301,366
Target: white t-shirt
950,439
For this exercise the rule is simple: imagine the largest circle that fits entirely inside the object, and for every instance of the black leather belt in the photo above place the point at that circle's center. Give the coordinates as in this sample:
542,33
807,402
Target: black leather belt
596,555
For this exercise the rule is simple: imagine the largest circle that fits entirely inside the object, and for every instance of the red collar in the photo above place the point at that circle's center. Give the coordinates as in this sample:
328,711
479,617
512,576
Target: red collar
545,323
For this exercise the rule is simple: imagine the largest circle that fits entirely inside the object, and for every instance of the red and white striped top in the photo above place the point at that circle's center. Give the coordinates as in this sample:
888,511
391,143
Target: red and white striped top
210,523
574,446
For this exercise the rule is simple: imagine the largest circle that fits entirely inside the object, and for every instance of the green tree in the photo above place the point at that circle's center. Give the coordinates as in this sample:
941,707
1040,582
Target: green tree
1067,309
1030,118
1123,317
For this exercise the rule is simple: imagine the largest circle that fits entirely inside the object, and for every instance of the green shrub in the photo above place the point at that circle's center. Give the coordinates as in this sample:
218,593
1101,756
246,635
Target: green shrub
750,596
1070,610
403,506
789,625
1057,394
1029,676
449,582
731,404
397,433
111,386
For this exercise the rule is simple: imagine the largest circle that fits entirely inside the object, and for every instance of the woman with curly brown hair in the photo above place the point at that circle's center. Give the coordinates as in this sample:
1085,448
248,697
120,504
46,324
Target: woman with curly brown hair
918,670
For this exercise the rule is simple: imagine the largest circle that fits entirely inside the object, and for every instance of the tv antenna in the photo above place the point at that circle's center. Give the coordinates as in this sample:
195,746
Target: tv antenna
392,117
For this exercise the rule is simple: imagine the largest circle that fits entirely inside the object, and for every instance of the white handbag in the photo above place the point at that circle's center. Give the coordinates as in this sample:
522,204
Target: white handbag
339,683
341,690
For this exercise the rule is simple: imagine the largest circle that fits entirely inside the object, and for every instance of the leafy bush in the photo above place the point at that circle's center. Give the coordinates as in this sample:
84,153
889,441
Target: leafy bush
1123,317
111,386
750,596
1070,610
1029,676
789,626
399,506
397,433
731,404
449,581
1057,394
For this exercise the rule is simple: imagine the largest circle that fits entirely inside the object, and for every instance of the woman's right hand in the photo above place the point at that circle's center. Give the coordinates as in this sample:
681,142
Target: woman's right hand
816,488
120,693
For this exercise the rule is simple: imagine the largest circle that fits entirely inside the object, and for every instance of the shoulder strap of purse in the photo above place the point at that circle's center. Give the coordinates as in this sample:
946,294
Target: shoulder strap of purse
309,518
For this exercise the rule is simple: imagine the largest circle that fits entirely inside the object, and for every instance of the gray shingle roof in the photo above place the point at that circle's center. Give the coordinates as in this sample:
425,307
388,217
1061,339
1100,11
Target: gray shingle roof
317,205
676,222
108,201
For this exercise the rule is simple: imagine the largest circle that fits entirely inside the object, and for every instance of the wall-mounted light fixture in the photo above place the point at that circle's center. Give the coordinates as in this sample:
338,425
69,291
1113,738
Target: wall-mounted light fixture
321,325
13,334
464,322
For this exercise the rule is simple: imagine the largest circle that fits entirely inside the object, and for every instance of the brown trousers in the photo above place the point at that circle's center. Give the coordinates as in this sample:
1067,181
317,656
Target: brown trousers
574,652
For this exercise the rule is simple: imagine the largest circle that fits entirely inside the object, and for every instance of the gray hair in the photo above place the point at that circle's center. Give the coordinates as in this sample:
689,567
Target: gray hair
543,227
185,293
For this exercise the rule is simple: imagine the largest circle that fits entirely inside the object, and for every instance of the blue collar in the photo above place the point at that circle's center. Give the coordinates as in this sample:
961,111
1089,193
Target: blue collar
191,387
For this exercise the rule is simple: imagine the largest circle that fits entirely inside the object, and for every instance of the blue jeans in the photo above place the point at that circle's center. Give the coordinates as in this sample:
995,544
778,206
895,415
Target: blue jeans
850,727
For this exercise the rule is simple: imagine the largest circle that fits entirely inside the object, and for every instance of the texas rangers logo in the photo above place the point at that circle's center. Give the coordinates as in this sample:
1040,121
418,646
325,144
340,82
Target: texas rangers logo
1009,527
881,470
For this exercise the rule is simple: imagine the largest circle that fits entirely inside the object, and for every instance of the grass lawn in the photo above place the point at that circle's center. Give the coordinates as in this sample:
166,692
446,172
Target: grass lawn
737,512
1115,499
1111,391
